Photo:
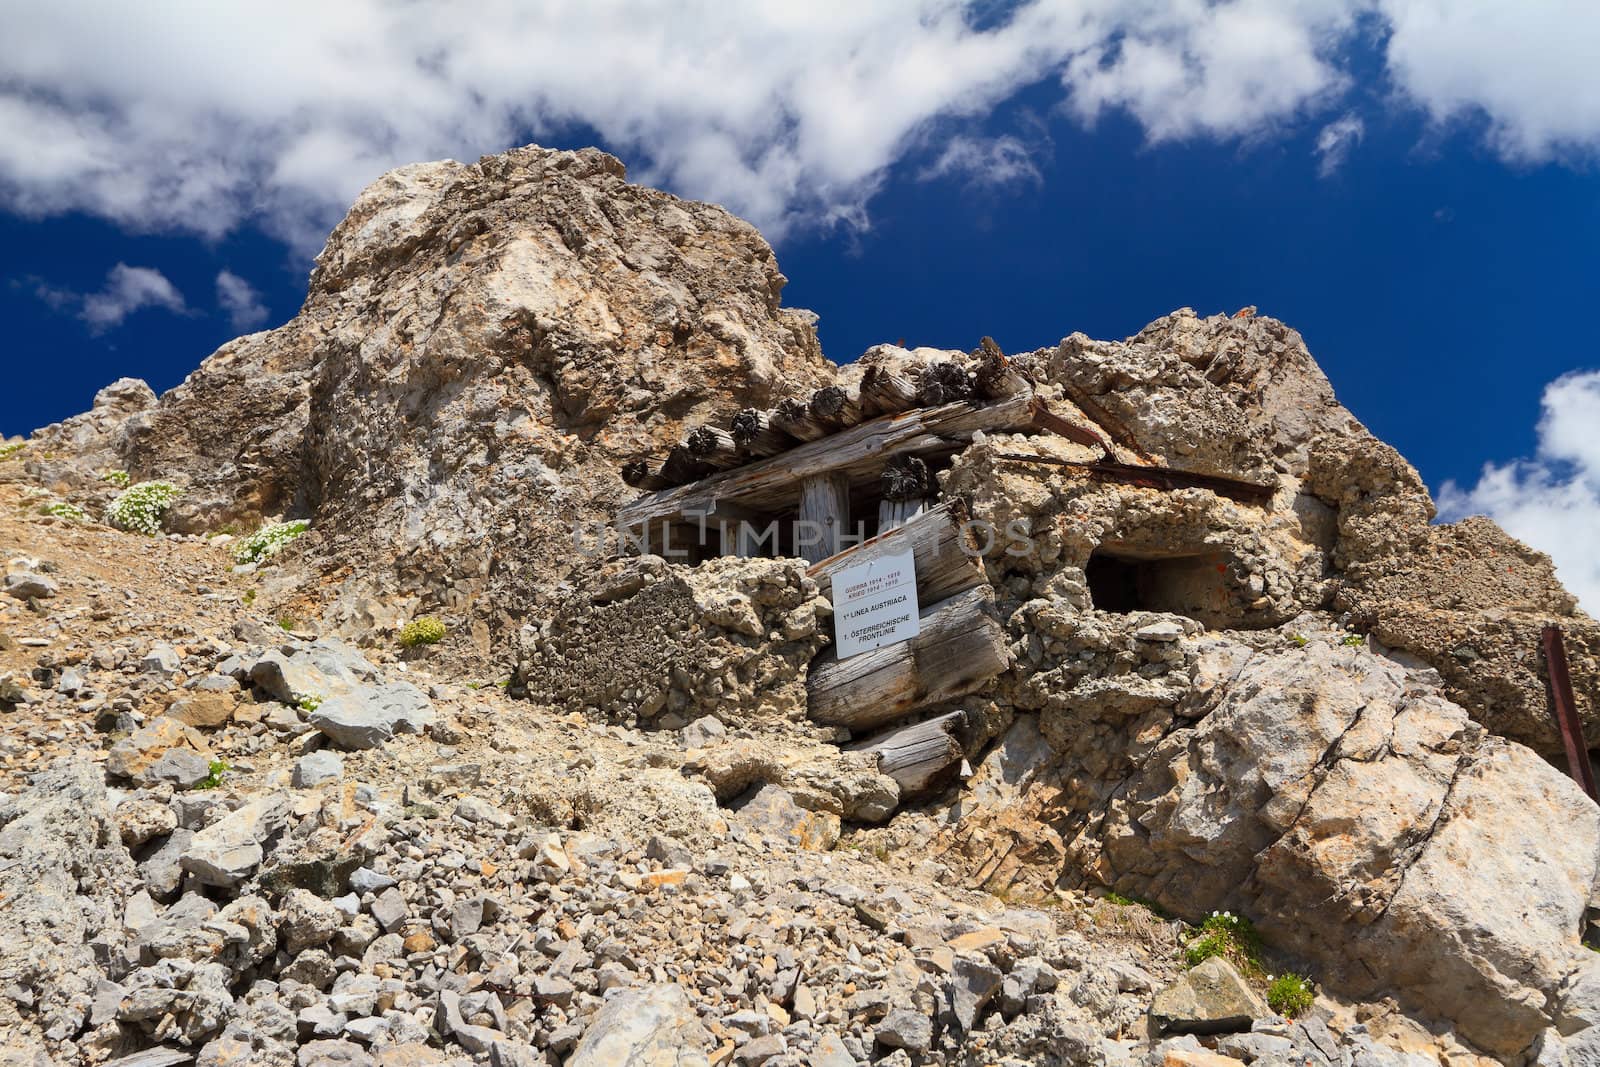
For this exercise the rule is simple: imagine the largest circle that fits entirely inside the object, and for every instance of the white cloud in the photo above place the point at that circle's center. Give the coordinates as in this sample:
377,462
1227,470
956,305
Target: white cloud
240,300
995,162
1336,141
1553,500
198,116
1527,69
128,289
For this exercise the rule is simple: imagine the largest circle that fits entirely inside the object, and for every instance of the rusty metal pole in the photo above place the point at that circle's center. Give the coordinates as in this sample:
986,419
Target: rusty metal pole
1566,709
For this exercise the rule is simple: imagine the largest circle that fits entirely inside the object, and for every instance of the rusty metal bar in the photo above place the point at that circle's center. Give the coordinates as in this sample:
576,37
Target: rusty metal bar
1045,419
1156,477
1565,708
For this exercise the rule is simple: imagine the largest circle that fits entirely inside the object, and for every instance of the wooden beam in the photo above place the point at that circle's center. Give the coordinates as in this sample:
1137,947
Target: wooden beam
637,473
922,756
755,435
824,516
942,382
1164,478
943,551
773,483
961,647
714,447
794,418
997,376
885,393
681,467
836,407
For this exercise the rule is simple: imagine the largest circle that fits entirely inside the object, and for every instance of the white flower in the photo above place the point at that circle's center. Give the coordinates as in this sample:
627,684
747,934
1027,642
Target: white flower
268,541
139,508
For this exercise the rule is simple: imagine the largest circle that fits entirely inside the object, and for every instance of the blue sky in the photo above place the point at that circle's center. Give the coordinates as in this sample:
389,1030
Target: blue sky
1410,183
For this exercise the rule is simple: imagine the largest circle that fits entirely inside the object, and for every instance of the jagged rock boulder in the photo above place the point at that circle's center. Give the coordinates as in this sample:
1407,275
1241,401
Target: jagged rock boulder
1365,821
1348,528
650,1027
1213,998
228,851
77,451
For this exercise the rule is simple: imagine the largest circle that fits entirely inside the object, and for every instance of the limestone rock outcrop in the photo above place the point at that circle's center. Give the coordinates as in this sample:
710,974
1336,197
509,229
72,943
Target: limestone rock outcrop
481,346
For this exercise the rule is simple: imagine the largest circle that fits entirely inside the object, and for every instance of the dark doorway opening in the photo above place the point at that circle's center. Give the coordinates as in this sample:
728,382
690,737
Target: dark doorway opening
1196,585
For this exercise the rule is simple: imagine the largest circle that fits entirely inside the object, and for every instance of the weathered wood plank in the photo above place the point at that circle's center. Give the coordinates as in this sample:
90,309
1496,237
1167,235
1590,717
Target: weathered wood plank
961,646
824,516
773,483
896,513
943,550
921,756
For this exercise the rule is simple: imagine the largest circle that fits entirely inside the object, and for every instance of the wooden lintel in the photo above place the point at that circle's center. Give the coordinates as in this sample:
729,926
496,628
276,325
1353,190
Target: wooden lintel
772,484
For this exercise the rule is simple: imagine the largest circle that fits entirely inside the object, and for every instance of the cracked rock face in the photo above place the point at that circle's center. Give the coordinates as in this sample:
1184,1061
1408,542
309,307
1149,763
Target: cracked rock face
637,640
1362,820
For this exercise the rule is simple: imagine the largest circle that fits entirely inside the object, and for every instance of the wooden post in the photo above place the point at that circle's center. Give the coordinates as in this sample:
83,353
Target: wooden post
825,505
961,646
896,513
740,530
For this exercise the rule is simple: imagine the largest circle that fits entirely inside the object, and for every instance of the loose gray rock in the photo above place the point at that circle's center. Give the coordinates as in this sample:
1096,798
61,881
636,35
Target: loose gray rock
225,853
905,1029
183,768
1212,998
651,1027
162,659
316,768
973,983
26,585
367,880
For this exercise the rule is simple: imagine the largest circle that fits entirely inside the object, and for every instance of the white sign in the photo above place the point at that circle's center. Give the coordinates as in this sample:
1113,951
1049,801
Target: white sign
875,604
